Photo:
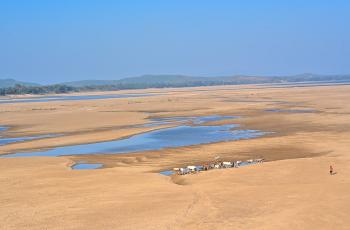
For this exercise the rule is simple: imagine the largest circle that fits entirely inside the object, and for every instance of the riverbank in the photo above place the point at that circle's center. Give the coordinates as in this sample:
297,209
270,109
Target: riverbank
292,190
298,194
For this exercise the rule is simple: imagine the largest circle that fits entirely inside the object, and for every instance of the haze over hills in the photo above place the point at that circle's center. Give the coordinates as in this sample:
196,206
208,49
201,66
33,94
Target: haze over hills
10,86
11,83
182,79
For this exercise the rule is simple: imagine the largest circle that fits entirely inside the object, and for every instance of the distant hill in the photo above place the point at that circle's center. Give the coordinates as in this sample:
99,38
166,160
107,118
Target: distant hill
90,83
161,81
145,79
7,86
154,79
309,77
175,80
4,83
182,80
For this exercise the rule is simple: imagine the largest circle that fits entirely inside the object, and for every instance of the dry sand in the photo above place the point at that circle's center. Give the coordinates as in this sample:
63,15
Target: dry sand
292,191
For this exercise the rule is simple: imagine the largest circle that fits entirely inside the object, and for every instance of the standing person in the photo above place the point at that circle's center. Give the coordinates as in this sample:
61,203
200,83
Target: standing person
331,170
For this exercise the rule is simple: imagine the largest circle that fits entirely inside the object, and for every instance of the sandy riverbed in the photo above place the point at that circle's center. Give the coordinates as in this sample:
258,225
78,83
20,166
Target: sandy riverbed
292,191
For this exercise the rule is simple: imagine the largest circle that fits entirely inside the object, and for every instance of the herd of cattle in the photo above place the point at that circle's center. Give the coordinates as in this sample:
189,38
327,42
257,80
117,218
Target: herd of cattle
217,165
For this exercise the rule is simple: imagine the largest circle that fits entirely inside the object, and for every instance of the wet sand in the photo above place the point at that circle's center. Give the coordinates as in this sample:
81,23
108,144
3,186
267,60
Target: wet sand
292,191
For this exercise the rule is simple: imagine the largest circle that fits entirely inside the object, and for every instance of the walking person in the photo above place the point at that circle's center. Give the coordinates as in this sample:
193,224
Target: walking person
331,170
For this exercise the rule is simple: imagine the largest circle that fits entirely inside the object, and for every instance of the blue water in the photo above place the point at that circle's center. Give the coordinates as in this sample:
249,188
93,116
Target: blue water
179,136
5,141
154,122
193,120
86,166
167,173
205,119
71,98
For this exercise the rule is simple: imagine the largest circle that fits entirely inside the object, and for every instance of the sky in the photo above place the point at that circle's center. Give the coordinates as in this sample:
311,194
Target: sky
66,40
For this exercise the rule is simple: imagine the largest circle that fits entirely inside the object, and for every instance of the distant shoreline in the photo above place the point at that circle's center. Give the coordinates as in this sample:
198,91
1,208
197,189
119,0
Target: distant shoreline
167,83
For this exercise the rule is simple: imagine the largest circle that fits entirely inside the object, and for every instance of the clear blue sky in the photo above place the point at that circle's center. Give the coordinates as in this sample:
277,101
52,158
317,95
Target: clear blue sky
63,40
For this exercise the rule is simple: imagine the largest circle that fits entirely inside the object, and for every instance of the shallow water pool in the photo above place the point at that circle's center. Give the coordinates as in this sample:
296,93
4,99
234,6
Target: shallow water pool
179,136
82,166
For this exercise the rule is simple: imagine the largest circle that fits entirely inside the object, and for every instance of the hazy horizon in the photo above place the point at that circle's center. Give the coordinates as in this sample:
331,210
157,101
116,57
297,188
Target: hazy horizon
111,79
51,42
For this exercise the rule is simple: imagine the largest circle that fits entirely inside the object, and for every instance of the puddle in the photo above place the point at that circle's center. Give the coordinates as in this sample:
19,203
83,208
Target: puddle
82,166
167,173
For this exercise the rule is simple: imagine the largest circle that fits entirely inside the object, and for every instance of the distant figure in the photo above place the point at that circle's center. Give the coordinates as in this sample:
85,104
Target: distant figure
330,170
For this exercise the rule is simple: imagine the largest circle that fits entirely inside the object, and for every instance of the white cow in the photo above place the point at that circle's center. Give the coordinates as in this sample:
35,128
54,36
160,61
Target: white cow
260,160
192,168
184,171
227,164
